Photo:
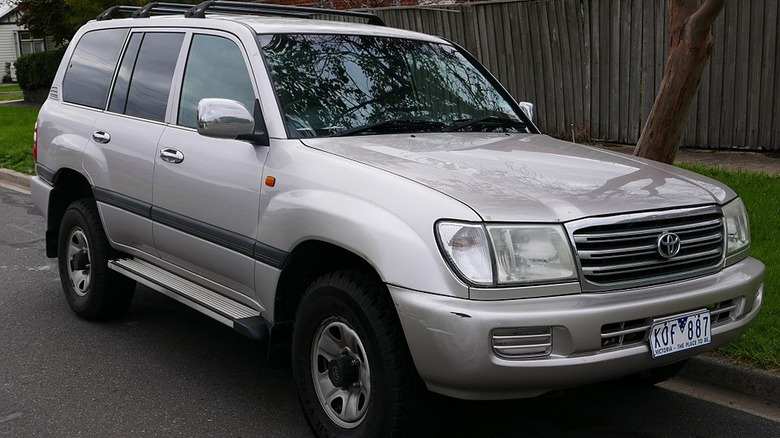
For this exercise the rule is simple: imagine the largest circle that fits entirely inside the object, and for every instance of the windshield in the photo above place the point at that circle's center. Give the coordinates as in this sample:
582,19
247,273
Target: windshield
351,84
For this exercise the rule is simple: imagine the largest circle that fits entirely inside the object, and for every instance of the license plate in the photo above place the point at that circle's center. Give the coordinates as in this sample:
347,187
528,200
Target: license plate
680,332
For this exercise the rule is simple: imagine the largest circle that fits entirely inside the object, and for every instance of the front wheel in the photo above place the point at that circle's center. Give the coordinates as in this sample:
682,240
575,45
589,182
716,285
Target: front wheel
91,289
351,364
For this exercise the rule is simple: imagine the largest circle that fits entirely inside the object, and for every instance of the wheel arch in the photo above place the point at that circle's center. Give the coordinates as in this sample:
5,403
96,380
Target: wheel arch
68,186
308,261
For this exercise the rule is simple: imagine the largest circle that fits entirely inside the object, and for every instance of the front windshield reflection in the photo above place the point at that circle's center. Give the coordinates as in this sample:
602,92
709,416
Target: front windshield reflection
327,84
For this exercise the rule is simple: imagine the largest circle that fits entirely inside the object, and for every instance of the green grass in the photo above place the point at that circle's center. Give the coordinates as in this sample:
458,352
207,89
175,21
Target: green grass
10,92
16,137
760,345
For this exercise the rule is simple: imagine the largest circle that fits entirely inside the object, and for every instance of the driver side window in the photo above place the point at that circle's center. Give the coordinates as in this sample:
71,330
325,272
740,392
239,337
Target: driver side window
215,69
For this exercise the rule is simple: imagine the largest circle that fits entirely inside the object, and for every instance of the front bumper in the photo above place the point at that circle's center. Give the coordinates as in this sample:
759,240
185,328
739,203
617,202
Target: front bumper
450,338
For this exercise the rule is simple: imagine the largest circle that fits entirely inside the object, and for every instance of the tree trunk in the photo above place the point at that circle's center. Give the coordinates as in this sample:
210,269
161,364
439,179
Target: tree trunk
690,26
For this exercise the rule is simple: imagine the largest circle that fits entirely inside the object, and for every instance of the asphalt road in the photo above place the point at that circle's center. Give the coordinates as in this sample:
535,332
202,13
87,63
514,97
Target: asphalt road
165,370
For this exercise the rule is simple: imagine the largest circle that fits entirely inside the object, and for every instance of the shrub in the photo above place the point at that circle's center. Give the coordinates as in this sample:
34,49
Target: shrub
35,72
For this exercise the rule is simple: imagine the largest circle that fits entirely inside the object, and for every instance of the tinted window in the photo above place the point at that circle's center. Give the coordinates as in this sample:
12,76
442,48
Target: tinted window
215,68
151,80
122,85
91,67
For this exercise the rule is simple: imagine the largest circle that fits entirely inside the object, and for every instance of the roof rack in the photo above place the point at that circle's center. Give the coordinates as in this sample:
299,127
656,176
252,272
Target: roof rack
154,8
109,13
232,7
157,8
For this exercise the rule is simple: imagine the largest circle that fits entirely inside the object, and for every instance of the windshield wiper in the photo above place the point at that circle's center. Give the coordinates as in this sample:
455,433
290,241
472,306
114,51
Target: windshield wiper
503,122
393,126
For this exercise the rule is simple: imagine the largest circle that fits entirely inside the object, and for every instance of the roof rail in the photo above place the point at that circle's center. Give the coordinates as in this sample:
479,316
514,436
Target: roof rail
233,7
109,13
158,8
154,8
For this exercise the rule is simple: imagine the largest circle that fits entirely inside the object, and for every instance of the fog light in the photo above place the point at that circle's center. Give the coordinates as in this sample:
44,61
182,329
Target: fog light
522,342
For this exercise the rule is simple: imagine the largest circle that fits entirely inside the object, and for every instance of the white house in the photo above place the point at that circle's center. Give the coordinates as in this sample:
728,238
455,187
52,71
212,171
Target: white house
15,40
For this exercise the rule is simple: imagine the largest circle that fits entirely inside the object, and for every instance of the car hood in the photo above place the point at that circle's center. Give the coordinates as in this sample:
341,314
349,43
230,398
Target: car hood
529,177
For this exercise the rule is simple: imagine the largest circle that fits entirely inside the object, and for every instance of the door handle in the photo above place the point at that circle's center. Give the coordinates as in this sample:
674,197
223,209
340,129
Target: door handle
101,137
170,155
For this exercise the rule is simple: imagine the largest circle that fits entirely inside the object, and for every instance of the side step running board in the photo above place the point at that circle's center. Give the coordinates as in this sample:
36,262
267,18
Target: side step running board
241,318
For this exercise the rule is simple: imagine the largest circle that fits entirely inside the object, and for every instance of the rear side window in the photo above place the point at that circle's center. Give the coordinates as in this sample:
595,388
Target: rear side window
150,82
91,67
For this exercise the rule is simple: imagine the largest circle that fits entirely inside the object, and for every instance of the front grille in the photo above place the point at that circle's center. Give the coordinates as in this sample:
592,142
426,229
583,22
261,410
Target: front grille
629,333
623,251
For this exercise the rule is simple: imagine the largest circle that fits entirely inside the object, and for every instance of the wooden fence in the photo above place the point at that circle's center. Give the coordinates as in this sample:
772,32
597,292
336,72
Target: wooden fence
595,65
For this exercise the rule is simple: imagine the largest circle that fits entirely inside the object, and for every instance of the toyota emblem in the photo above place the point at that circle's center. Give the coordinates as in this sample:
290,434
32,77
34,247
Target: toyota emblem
668,245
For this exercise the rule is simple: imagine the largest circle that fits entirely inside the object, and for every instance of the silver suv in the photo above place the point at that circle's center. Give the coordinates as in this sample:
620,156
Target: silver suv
374,206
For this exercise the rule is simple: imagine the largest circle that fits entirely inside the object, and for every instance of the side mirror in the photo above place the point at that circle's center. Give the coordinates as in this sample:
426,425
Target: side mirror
224,118
528,109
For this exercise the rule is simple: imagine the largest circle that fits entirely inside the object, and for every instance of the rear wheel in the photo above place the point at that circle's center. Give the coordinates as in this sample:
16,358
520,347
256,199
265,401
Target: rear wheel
91,289
352,367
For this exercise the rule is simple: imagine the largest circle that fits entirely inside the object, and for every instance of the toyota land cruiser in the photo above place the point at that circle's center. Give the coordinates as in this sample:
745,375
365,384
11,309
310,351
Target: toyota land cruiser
373,205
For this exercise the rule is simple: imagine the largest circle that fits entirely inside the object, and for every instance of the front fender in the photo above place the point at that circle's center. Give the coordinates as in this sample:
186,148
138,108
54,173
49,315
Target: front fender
383,218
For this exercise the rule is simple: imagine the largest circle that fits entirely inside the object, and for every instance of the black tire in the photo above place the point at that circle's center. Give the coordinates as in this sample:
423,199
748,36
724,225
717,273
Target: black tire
92,290
657,375
357,308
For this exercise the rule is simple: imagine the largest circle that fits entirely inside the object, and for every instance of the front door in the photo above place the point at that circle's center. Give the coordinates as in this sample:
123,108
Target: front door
206,192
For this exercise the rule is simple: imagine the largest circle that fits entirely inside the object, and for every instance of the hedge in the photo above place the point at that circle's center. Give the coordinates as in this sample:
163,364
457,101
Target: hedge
35,72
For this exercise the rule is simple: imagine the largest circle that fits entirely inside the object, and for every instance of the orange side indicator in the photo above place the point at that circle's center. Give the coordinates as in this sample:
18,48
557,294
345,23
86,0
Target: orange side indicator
270,181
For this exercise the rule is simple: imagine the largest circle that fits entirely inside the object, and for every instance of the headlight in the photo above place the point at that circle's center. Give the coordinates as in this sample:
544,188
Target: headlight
514,254
531,254
737,227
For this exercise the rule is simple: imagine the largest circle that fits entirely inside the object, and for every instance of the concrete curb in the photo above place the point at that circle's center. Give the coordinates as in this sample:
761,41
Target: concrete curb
726,374
15,178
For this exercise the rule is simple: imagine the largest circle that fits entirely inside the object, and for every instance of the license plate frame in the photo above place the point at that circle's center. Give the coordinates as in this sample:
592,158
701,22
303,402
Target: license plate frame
680,332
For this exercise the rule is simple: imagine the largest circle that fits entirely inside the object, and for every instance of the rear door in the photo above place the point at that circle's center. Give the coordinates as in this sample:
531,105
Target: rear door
206,201
124,138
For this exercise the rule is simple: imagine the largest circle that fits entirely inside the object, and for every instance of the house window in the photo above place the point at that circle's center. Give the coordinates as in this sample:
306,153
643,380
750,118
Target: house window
28,44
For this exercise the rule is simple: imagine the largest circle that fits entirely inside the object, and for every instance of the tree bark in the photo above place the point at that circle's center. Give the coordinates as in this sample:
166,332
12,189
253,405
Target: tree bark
690,28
